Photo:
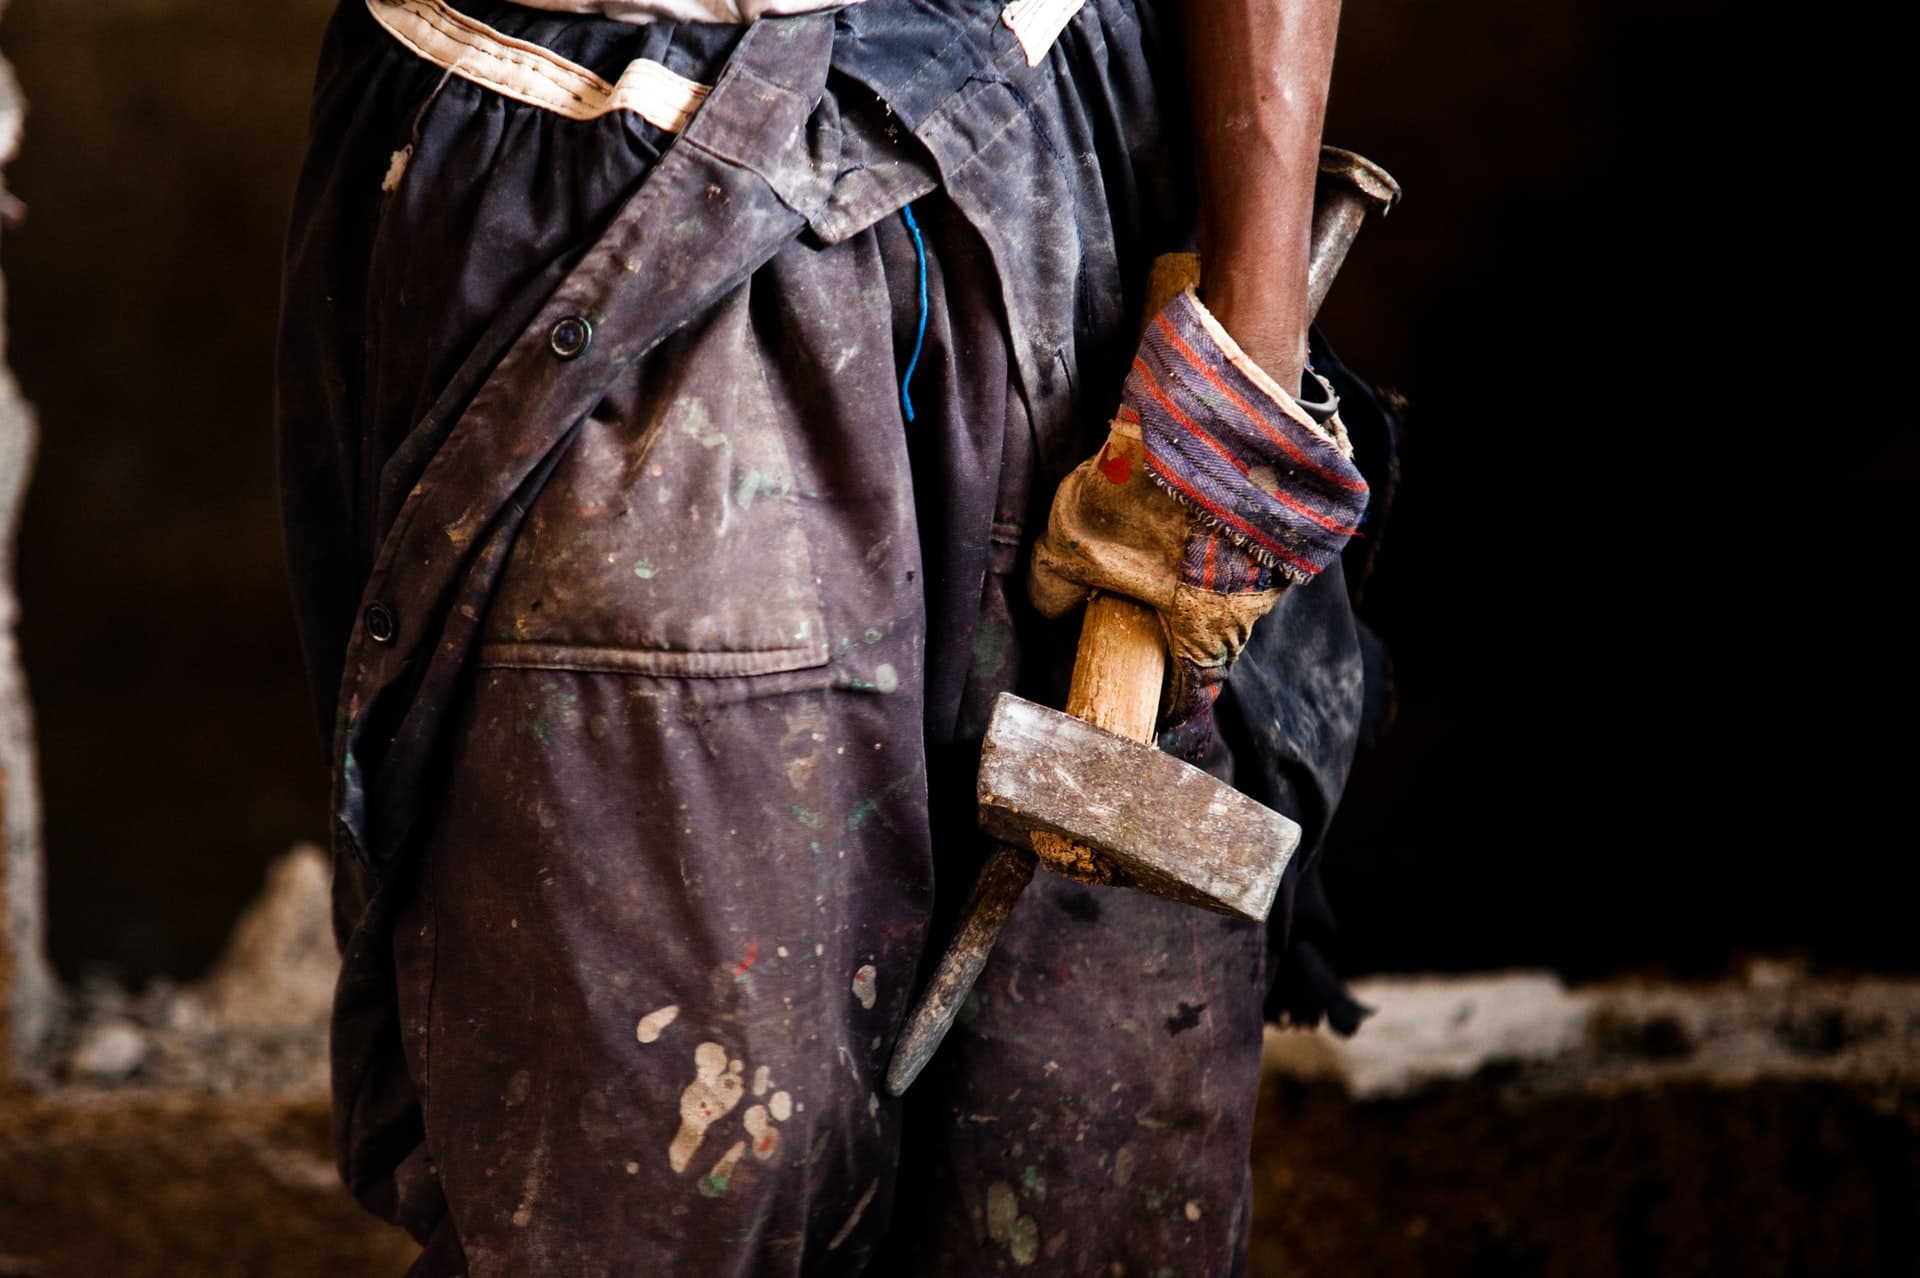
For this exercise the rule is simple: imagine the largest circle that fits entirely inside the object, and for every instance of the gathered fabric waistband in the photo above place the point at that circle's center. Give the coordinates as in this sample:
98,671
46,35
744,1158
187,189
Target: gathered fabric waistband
527,72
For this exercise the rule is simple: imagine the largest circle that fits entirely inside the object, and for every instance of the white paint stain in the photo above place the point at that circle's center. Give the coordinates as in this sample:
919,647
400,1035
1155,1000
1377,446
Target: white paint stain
762,1080
650,1026
886,678
396,169
711,1096
633,1168
1005,1224
1002,1209
760,1129
865,985
781,1107
531,1187
1193,1209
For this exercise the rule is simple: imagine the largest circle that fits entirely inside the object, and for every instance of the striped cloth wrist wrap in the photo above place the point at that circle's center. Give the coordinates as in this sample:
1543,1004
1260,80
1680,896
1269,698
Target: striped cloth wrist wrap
1237,451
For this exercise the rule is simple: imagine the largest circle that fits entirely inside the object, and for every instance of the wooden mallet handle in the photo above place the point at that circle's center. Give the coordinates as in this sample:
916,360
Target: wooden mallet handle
1122,661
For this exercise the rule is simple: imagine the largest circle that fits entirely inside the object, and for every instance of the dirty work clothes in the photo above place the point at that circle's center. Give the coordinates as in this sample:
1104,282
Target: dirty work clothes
656,646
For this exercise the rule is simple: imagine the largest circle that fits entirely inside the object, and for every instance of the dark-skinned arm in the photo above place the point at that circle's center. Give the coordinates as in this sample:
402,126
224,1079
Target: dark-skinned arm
1258,73
1156,516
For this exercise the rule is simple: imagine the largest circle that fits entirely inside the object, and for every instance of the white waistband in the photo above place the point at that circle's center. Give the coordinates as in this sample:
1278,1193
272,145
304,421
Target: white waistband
528,73
539,77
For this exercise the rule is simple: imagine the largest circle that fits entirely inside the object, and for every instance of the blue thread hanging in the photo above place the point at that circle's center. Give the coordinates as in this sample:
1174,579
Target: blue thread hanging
920,337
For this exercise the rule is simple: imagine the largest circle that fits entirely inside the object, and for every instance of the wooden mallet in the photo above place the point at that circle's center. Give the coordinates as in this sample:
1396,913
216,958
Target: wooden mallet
1087,792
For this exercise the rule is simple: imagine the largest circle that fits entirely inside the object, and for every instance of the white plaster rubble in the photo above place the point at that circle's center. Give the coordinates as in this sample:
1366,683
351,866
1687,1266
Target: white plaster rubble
1426,1030
1776,1022
256,1024
109,1052
277,973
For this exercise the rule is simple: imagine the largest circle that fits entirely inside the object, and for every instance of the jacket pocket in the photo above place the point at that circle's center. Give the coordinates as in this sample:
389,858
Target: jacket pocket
671,539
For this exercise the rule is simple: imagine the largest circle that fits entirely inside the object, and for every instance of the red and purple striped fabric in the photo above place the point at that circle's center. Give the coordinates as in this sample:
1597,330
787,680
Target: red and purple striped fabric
1254,470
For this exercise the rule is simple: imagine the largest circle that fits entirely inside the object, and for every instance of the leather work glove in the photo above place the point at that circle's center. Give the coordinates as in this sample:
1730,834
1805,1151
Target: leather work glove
1215,491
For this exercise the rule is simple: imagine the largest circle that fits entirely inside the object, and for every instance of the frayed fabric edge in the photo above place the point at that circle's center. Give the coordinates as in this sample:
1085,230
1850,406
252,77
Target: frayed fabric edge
1293,573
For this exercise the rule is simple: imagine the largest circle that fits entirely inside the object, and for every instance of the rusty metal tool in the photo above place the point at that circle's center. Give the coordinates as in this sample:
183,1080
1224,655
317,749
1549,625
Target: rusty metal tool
1086,792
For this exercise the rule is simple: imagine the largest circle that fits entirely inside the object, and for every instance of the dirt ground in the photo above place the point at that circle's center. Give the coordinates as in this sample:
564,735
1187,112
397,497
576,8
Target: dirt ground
179,1187
1794,1180
1476,1180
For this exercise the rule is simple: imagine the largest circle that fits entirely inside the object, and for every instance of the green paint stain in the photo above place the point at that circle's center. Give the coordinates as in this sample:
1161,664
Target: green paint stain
990,643
863,811
713,1186
812,820
814,847
537,725
756,483
644,569
872,636
1032,1181
698,423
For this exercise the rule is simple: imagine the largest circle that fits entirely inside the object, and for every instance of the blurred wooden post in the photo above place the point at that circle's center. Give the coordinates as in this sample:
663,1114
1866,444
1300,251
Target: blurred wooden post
26,988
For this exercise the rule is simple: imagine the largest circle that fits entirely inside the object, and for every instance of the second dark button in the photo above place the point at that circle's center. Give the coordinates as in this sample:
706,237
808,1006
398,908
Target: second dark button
381,626
570,337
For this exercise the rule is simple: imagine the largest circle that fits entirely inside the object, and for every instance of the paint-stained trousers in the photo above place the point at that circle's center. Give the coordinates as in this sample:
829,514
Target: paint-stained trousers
655,636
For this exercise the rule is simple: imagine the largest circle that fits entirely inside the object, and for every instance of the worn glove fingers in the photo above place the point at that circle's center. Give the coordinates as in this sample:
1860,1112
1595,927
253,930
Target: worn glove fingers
1111,528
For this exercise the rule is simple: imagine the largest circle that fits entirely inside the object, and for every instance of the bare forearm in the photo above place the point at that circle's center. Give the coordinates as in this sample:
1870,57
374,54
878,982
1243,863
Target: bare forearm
1258,72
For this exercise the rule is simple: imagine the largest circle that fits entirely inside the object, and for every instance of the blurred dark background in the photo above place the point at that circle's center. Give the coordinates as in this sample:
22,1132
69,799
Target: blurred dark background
1643,585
